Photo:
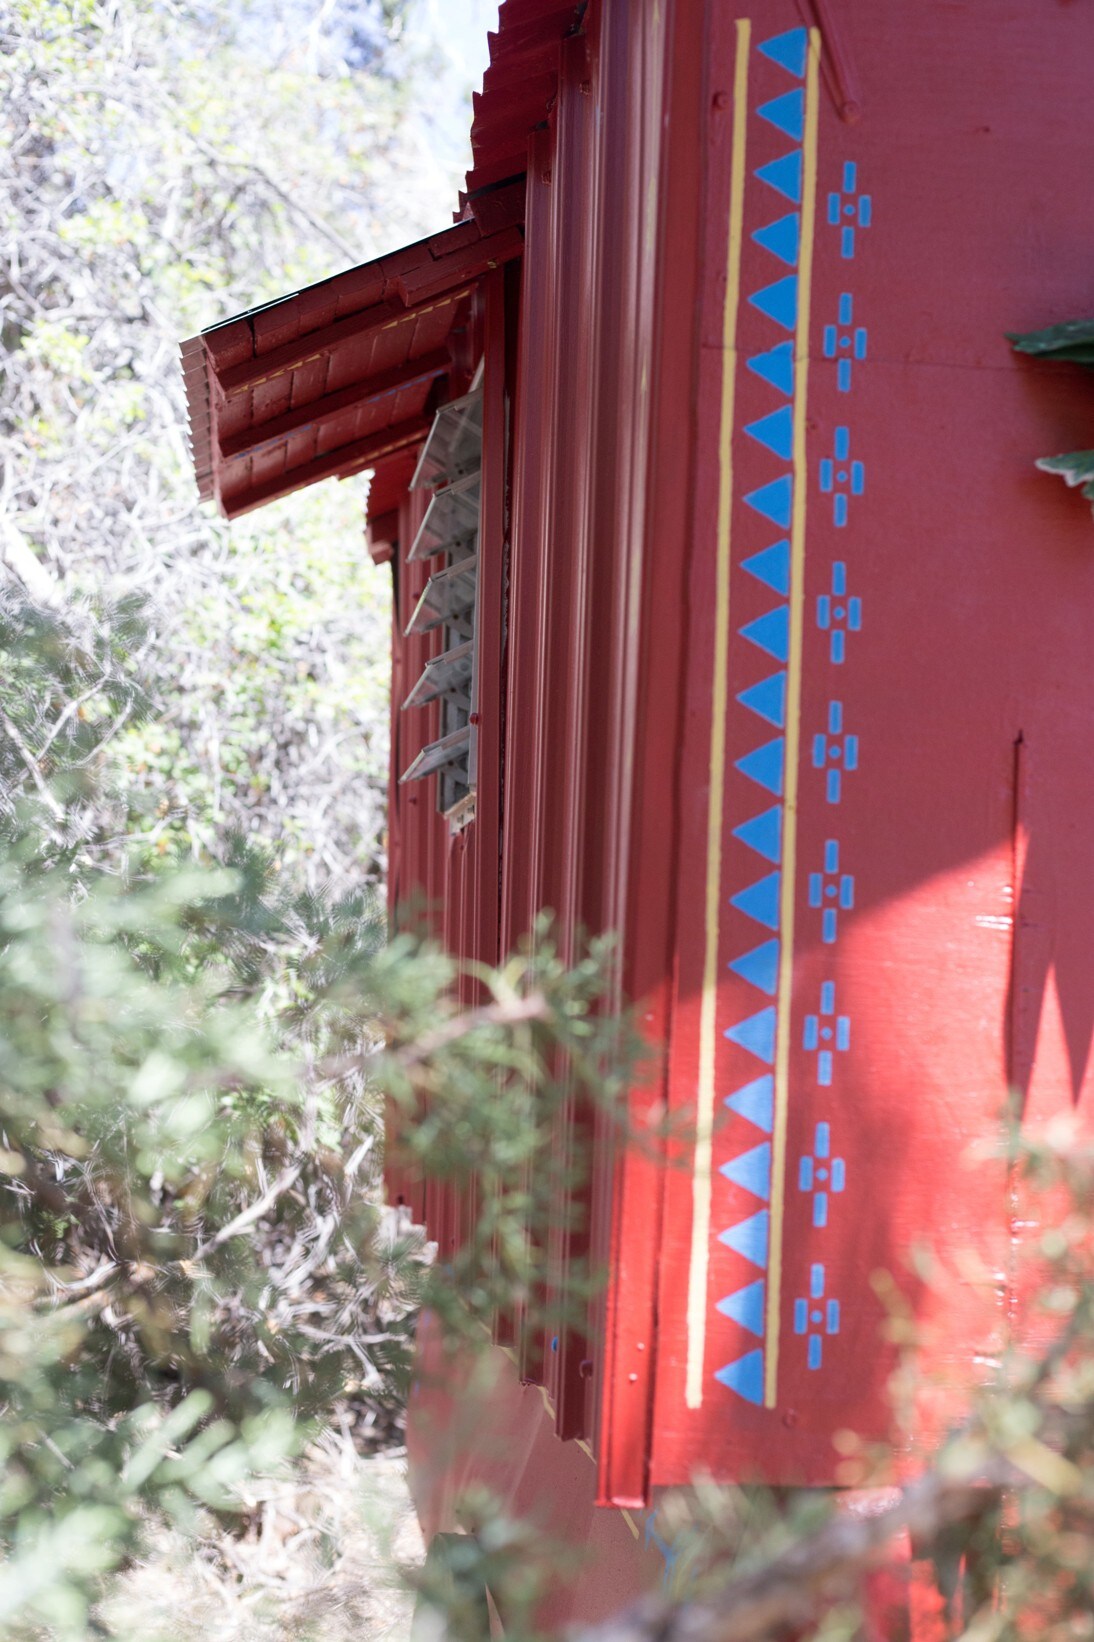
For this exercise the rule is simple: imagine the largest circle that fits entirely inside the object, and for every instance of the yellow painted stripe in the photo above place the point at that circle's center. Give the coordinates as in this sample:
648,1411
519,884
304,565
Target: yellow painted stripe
699,1262
793,731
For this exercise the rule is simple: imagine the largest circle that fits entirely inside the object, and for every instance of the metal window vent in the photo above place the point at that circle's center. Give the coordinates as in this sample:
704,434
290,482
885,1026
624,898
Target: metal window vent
450,466
451,520
454,445
448,675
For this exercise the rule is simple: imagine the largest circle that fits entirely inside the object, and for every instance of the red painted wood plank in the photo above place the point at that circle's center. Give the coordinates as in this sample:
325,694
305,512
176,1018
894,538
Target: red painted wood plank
388,490
493,207
491,619
656,278
444,273
280,480
316,345
229,344
326,407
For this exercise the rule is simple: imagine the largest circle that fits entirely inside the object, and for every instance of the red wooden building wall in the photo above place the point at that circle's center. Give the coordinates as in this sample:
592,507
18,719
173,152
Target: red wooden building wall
784,675
892,605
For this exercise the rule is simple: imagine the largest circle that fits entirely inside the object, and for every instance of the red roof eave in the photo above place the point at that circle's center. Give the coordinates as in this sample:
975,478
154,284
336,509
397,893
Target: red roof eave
334,378
341,375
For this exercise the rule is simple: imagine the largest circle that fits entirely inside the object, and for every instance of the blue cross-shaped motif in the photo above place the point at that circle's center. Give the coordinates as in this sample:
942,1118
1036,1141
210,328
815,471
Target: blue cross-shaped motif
816,1313
843,343
829,889
820,1173
833,751
840,477
818,1030
849,209
837,615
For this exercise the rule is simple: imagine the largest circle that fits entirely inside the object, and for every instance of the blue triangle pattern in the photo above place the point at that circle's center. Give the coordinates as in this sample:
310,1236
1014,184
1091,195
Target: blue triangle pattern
756,1034
788,50
756,1101
752,1170
764,765
774,431
776,366
770,633
779,301
773,501
784,175
786,113
767,699
760,901
781,238
749,1238
771,566
745,1376
760,967
763,833
746,1306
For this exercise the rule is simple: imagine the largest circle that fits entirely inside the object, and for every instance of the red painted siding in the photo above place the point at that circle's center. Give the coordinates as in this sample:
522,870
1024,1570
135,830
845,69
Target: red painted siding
784,666
868,480
784,677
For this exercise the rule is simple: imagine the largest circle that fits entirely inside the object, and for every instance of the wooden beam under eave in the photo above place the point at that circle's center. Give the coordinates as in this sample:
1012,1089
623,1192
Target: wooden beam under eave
382,536
340,463
490,205
258,437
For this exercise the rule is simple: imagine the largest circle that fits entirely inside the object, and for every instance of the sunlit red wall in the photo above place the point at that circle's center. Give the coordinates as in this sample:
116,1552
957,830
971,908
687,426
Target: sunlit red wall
790,684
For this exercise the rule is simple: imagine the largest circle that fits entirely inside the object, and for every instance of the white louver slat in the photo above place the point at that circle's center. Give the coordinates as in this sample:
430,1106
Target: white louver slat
450,466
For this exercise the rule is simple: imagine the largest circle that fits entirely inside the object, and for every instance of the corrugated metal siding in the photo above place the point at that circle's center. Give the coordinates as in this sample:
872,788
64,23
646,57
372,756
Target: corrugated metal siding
591,679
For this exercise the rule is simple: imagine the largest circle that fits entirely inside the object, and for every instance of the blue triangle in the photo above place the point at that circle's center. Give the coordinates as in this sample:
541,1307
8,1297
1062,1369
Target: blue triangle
775,431
784,175
760,902
773,501
752,1170
779,301
745,1376
786,113
760,967
770,632
776,366
767,699
771,566
764,765
749,1238
763,833
757,1033
756,1101
788,50
746,1307
781,238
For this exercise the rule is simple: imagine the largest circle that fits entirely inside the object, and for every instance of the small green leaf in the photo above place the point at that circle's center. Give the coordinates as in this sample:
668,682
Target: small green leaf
1076,468
1073,340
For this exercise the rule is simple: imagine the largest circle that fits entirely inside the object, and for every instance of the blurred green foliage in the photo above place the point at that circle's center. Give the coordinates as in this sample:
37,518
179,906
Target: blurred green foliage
194,1267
